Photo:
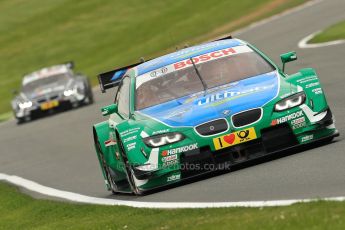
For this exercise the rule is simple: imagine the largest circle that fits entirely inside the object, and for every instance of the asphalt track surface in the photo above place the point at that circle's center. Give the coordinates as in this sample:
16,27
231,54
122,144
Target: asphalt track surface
57,151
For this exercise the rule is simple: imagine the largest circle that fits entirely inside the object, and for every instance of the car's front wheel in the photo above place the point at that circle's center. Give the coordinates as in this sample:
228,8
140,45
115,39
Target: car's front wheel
107,171
23,120
129,172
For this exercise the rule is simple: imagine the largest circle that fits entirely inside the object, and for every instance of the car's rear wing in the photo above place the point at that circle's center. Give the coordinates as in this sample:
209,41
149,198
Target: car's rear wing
113,78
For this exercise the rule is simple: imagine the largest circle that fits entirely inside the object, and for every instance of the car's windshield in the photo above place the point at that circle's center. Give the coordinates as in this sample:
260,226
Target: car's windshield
46,81
216,69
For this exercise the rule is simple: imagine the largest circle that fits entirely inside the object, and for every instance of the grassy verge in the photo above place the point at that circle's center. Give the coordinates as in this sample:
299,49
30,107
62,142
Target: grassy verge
5,116
100,35
335,32
20,211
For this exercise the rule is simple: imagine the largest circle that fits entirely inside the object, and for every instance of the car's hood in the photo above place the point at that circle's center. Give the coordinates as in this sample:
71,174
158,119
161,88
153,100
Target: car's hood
55,88
224,101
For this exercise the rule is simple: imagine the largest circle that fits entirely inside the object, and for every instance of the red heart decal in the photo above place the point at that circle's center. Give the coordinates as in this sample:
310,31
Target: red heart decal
164,153
229,138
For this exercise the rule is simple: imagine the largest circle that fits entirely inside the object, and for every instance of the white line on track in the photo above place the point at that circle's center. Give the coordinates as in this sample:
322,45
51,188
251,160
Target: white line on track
277,16
79,198
303,44
75,197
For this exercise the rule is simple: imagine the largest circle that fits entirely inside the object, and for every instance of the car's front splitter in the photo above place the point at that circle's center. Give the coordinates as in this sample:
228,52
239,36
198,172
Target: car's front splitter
224,160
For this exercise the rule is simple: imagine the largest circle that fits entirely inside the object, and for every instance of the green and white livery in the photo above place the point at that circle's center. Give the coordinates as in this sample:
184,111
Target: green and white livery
202,109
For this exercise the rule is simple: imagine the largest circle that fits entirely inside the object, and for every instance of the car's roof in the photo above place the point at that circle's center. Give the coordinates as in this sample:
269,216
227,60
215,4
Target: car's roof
186,53
45,72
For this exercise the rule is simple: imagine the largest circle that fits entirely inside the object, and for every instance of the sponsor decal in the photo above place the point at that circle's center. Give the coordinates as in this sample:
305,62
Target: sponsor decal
312,85
110,142
174,177
159,72
307,79
307,138
49,105
196,49
227,95
129,132
170,163
298,123
132,138
161,131
234,138
205,58
187,63
169,157
287,118
179,150
317,91
131,146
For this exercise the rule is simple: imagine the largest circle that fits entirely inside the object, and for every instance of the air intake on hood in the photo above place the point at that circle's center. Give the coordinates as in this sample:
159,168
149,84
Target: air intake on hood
212,127
246,118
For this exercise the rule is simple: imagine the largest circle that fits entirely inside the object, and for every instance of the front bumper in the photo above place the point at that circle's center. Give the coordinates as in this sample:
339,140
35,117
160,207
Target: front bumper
63,104
205,160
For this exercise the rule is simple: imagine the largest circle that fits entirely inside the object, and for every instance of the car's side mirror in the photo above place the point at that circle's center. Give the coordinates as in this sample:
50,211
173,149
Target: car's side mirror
288,57
15,92
70,65
109,109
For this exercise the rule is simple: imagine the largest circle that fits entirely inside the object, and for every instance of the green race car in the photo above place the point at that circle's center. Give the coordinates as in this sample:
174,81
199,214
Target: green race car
201,109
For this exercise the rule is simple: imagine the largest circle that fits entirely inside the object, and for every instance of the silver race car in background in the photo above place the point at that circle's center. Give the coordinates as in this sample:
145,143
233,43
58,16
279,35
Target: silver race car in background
50,89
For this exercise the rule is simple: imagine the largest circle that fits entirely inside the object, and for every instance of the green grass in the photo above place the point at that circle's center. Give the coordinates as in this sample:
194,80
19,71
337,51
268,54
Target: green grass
101,35
335,32
18,211
5,116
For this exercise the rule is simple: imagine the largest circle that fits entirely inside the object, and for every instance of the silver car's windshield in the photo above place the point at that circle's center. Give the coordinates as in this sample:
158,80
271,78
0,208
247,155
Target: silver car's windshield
46,81
184,81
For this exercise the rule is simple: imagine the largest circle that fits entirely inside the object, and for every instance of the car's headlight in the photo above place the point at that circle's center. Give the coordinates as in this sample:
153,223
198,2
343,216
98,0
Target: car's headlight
69,92
163,139
290,102
25,105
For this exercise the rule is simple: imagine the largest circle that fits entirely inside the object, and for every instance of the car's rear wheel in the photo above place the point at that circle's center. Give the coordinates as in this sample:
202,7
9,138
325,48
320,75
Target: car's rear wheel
129,171
107,171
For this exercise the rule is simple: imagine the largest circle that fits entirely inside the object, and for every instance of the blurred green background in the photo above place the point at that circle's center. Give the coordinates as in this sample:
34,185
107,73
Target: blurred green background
100,35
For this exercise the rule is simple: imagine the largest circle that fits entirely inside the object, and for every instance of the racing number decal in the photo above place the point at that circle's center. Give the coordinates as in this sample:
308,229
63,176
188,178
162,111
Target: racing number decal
234,138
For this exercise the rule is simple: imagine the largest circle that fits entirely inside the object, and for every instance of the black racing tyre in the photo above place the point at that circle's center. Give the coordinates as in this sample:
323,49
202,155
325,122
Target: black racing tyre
20,121
89,92
110,179
90,95
129,172
23,120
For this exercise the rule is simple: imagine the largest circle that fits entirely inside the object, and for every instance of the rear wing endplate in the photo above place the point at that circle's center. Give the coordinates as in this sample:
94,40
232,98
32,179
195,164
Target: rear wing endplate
113,78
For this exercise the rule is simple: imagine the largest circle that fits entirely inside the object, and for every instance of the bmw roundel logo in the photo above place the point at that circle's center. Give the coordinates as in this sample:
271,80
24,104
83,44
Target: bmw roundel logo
211,127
